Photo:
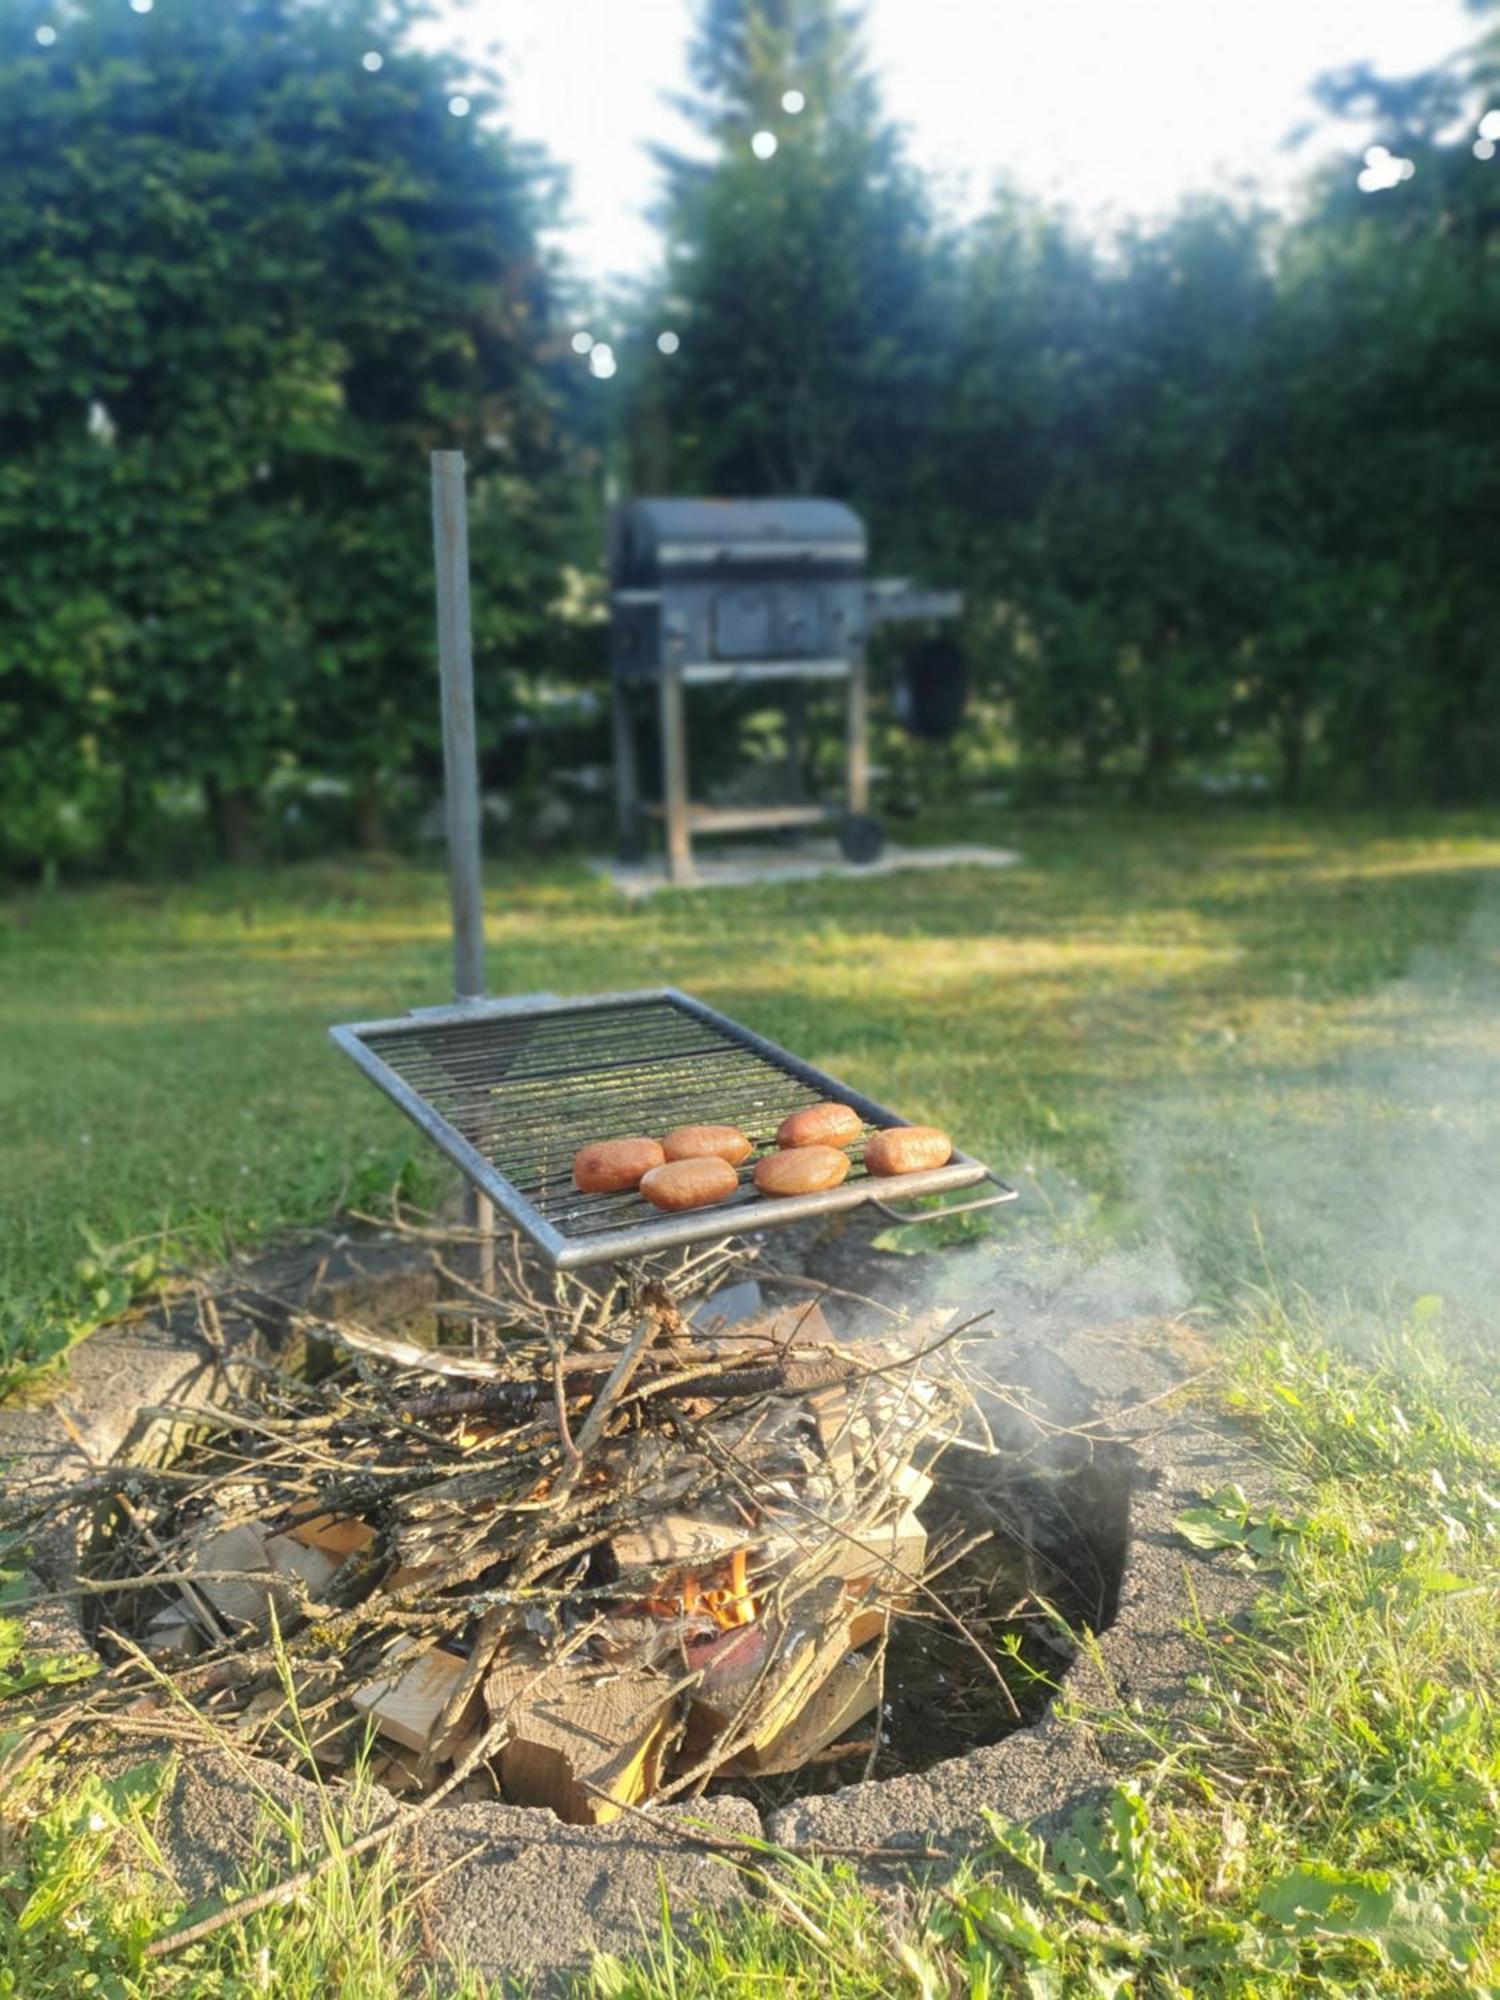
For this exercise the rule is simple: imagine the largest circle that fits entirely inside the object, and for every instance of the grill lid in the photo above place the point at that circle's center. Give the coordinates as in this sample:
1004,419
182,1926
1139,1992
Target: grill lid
510,1091
657,542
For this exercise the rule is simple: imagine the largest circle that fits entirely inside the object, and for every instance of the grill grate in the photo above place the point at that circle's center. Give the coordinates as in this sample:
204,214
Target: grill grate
510,1092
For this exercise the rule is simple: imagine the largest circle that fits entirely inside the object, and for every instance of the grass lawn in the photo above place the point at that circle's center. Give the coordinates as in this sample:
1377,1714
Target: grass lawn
1099,1021
1272,1043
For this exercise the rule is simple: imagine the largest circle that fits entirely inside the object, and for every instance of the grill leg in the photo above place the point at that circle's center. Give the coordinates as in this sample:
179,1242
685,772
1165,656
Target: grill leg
858,734
674,763
627,776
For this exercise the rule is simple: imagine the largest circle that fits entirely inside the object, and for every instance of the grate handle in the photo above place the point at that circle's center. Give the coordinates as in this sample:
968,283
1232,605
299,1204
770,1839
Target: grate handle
1007,1193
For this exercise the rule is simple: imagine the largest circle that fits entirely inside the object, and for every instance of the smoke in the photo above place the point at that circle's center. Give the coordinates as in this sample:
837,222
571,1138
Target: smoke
1350,1153
1358,1161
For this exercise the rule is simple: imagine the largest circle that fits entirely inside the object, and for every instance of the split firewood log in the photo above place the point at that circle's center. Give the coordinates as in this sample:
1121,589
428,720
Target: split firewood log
587,1744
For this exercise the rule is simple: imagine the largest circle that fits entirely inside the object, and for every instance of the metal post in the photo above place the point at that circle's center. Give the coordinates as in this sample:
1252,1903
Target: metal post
450,538
675,773
858,741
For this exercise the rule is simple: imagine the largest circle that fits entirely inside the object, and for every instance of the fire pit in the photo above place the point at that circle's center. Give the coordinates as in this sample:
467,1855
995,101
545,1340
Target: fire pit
768,1557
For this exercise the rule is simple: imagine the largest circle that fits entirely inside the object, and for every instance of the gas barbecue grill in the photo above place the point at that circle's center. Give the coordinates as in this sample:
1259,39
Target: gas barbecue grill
709,593
511,1089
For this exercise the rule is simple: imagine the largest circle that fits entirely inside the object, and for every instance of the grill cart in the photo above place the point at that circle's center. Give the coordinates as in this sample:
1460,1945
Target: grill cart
709,593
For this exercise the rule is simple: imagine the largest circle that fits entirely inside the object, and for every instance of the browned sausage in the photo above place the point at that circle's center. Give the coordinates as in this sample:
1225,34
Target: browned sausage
907,1149
702,1142
801,1170
820,1125
611,1164
690,1183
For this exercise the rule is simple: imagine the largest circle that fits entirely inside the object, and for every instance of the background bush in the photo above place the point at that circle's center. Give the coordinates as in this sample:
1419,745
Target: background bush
245,283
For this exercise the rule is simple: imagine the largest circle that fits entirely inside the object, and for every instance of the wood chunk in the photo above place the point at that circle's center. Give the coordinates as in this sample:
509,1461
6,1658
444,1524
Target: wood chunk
678,1541
751,1691
586,1744
885,1556
248,1546
911,1485
242,1547
832,1412
880,1558
851,1690
867,1624
317,1567
806,1324
406,1700
338,1535
172,1635
786,1326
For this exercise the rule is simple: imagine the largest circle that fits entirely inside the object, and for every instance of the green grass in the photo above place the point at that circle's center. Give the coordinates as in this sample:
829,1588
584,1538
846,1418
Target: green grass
1272,1044
91,1892
165,1076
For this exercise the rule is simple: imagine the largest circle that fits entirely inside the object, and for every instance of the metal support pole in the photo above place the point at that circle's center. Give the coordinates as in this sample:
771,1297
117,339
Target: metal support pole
450,538
858,738
674,761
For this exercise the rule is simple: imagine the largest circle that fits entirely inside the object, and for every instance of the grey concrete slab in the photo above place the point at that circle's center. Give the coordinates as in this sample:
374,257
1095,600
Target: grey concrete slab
740,865
514,1892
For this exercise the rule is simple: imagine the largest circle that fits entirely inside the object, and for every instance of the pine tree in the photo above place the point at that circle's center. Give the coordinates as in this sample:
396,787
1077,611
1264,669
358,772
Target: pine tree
804,285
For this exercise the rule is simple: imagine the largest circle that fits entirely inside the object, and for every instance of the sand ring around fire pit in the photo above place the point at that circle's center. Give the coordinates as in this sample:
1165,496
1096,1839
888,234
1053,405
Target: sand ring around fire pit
531,1894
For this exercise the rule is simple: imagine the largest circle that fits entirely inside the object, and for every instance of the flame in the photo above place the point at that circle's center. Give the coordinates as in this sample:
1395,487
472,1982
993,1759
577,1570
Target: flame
720,1594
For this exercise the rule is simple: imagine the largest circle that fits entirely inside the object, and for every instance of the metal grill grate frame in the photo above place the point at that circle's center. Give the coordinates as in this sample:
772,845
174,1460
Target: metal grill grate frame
509,1090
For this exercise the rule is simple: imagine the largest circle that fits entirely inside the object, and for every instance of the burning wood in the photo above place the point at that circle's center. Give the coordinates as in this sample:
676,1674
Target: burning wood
644,1563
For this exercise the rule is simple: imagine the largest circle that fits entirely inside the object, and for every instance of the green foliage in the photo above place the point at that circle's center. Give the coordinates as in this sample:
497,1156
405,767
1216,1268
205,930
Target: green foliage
245,284
37,1328
1111,1904
801,287
85,1888
1228,1521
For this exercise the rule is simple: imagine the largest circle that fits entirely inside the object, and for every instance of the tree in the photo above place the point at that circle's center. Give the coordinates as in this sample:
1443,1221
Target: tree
1382,403
803,286
252,267
1092,450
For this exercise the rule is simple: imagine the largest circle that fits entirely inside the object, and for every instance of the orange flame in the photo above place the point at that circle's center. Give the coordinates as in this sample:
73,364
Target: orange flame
720,1594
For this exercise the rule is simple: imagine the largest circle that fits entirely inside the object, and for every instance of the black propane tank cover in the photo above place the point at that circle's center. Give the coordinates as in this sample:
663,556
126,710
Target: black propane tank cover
930,694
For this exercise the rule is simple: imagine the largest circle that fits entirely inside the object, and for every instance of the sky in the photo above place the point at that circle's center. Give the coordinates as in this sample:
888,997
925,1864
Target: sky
1117,106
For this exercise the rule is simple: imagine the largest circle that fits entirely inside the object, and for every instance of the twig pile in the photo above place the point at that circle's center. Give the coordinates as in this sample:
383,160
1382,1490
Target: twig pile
609,1560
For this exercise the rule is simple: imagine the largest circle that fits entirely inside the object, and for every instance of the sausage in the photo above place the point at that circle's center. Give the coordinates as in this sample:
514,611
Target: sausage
907,1149
694,1183
611,1164
801,1170
820,1125
702,1142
